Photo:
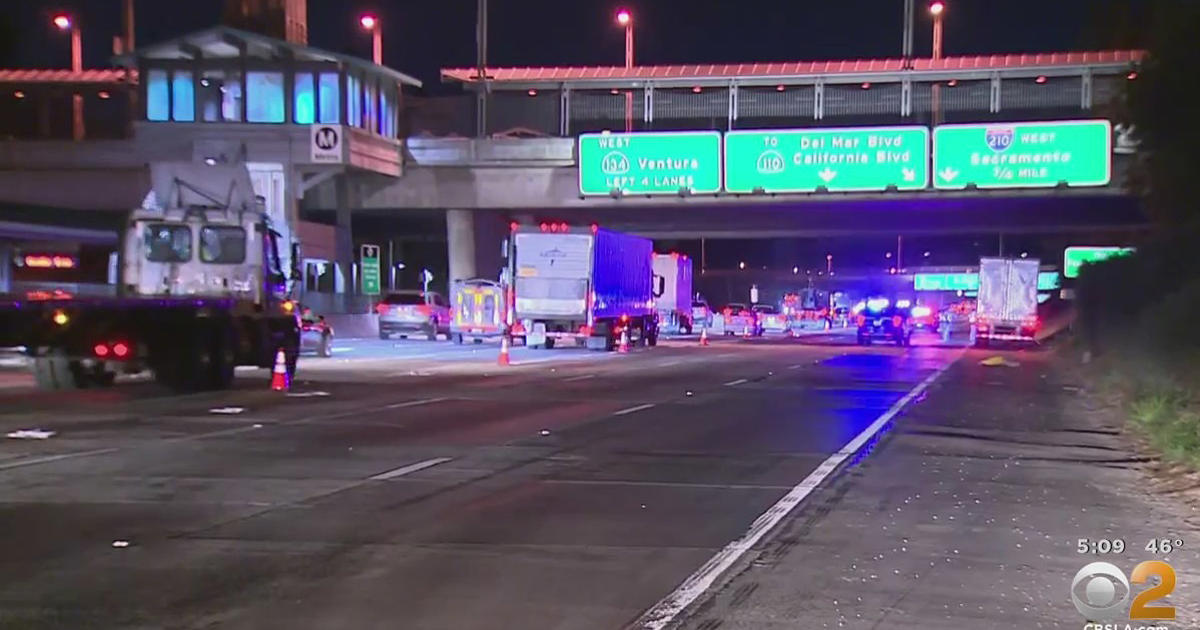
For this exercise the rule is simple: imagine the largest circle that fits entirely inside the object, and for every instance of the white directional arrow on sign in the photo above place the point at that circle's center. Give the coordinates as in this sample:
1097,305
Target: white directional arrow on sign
827,174
948,174
909,174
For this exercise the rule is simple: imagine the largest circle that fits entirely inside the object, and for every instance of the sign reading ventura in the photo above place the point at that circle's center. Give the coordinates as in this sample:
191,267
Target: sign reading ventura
650,163
838,159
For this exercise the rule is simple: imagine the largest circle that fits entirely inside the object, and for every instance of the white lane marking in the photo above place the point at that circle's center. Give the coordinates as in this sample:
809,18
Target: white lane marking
633,409
227,410
581,377
54,458
665,611
670,363
411,468
737,382
796,367
415,403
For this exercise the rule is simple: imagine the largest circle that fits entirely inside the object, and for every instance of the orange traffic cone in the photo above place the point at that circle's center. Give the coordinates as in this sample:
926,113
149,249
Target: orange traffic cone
504,343
704,336
624,347
280,381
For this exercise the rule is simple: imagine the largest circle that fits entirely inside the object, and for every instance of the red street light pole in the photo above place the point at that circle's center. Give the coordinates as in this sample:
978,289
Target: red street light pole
64,23
624,18
371,24
936,9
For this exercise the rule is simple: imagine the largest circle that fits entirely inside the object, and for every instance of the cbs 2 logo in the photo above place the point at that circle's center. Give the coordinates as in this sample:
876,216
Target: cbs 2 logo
1101,601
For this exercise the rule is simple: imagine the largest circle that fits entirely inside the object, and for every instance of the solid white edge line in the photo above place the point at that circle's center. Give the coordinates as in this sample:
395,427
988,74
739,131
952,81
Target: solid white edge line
53,458
633,409
409,469
581,377
737,382
669,607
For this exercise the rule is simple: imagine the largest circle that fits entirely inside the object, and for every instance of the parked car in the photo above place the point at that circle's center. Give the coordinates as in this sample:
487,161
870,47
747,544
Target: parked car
740,318
316,335
770,319
413,312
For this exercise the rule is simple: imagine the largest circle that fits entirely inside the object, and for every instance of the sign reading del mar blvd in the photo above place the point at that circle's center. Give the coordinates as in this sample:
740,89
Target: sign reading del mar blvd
650,163
1022,155
846,159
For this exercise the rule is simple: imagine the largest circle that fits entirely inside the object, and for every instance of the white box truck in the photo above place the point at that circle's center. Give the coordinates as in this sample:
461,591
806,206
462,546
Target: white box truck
580,285
1006,309
673,292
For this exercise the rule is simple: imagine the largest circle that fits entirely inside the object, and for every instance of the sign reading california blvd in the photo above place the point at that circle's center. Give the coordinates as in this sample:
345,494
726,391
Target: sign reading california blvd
650,163
1022,155
845,159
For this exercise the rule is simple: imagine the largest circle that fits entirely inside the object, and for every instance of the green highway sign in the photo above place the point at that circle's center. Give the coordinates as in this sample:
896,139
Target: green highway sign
658,163
1047,281
1075,257
369,265
838,159
946,282
1022,155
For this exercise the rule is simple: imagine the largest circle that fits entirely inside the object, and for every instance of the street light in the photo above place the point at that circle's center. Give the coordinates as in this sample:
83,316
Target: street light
625,20
371,24
742,265
936,9
829,263
63,22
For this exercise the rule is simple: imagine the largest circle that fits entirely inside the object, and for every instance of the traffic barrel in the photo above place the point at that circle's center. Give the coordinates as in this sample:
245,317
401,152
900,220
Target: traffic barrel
504,348
704,336
624,347
280,381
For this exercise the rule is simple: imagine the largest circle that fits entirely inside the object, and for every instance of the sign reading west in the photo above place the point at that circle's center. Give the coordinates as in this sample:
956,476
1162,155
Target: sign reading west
650,163
845,159
1022,155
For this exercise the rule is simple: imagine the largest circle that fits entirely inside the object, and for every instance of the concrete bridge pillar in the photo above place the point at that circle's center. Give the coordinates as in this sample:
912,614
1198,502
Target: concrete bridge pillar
344,237
474,238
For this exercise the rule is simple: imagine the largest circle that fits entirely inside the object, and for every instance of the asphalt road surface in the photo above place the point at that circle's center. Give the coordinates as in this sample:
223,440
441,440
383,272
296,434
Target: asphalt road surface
420,485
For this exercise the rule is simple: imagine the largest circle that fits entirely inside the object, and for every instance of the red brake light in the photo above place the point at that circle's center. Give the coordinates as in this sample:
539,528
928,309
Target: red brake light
862,319
101,350
624,318
381,308
120,350
896,320
545,227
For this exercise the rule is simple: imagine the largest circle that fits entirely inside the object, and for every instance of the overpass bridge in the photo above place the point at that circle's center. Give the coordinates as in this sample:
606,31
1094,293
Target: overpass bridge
389,162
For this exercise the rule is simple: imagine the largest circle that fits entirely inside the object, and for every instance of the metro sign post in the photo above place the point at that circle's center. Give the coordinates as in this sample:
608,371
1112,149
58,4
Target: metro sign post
838,160
369,258
1022,155
663,163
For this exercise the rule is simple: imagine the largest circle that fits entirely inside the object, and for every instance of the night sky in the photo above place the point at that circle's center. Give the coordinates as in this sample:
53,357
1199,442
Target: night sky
422,36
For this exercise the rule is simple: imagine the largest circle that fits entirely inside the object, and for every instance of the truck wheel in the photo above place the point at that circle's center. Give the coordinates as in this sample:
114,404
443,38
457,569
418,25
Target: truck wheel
326,347
457,338
549,343
383,335
224,358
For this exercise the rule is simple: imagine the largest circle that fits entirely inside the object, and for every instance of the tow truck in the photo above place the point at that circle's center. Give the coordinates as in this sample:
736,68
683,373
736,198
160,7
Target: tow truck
201,292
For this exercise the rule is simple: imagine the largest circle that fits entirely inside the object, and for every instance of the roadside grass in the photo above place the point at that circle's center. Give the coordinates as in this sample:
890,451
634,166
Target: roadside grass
1170,422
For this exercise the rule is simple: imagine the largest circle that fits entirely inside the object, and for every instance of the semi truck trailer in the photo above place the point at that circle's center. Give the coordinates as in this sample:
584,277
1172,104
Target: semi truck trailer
581,285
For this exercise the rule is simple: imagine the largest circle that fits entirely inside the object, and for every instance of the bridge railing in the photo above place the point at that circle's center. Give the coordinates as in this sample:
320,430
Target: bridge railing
569,112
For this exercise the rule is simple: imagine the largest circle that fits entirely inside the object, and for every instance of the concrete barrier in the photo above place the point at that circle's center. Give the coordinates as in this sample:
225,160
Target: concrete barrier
351,326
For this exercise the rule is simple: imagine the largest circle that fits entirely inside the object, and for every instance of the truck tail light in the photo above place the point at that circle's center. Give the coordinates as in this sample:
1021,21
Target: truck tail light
862,320
101,350
897,320
381,308
120,349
